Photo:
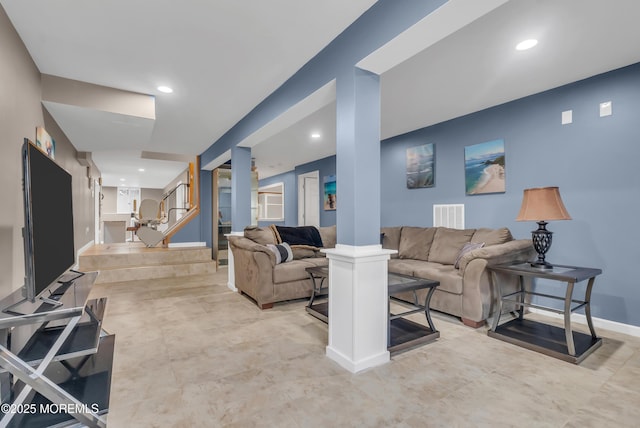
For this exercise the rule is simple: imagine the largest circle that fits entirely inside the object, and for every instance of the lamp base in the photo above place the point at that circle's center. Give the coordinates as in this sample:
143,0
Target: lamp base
541,242
541,265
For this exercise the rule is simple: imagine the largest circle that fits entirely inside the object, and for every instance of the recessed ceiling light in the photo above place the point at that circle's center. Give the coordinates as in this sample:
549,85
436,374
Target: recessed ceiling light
122,179
526,44
141,169
165,89
315,135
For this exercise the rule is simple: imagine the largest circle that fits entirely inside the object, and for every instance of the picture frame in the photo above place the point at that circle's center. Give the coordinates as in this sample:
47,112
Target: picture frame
484,166
421,166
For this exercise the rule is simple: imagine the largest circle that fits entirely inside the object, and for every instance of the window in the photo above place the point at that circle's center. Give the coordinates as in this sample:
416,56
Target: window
125,198
271,202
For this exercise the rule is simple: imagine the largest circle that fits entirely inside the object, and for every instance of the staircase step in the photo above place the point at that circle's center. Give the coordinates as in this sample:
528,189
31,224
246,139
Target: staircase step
117,256
123,262
121,274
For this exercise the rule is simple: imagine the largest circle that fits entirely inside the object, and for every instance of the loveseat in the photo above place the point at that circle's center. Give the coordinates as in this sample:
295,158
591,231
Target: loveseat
456,258
259,275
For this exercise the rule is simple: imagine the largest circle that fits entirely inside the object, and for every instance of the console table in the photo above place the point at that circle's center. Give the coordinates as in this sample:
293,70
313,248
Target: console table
55,358
564,344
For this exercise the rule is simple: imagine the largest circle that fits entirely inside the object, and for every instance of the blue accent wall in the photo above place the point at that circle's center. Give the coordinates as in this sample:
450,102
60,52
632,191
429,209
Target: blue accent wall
199,229
594,161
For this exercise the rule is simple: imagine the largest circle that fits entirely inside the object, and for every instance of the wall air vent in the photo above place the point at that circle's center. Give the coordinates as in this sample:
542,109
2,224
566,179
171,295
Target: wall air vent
449,215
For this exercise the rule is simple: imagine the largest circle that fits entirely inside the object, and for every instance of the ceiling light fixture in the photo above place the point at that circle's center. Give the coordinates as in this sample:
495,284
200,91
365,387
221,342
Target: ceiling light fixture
122,179
315,135
141,169
526,44
165,89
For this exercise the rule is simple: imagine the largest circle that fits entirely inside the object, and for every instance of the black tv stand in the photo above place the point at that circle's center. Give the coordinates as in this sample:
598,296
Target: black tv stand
56,357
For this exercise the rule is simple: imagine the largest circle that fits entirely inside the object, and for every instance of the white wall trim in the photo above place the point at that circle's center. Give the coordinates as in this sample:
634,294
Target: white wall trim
614,326
187,244
84,248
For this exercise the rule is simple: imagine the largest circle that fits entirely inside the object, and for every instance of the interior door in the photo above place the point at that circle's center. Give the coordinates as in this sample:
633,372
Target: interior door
309,199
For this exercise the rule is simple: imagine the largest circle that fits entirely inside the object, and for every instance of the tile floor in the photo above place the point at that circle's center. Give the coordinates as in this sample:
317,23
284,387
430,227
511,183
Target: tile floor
191,353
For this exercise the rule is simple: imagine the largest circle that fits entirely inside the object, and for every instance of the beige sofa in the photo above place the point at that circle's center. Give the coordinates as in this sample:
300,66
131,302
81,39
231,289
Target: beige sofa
259,276
465,291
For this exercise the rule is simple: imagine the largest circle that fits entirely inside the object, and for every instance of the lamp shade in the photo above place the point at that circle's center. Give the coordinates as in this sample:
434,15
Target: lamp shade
542,204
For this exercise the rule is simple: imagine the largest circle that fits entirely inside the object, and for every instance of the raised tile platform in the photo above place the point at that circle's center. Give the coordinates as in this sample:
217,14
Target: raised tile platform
134,261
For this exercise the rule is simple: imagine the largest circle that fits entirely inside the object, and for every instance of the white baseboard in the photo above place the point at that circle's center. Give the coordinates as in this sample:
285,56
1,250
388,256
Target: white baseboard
187,244
614,326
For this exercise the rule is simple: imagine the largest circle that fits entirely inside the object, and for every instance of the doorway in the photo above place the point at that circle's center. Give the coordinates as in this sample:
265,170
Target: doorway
309,199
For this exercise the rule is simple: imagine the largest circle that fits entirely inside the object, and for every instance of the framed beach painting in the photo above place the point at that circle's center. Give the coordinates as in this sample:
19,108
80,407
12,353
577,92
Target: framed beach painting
330,193
484,168
420,163
45,142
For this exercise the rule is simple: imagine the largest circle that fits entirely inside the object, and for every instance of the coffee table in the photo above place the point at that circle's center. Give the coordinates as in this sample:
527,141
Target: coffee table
320,310
402,333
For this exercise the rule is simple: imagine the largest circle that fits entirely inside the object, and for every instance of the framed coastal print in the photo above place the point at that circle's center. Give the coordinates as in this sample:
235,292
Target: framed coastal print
330,193
420,163
45,142
484,168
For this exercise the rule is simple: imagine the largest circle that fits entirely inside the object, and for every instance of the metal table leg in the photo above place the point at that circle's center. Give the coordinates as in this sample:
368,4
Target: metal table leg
567,319
498,311
587,307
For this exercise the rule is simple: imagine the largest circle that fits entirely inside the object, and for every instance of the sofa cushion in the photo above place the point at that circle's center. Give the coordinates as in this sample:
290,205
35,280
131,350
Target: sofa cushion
260,235
449,277
391,239
303,252
292,271
447,243
492,236
407,266
328,235
415,242
282,252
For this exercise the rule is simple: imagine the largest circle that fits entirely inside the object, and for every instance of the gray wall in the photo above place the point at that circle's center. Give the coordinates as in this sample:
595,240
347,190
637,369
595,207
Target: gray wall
20,113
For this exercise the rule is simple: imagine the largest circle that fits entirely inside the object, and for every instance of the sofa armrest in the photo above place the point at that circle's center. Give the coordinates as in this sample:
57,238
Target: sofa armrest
253,266
479,297
247,244
512,251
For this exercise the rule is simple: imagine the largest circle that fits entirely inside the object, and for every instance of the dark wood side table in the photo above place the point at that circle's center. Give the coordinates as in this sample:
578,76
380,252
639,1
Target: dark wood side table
550,340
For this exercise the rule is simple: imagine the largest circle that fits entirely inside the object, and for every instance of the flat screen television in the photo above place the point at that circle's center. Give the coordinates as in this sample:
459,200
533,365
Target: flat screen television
48,218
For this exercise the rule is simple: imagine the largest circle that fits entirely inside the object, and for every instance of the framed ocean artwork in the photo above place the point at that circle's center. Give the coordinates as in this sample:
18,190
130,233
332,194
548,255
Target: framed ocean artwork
330,193
484,168
420,166
45,142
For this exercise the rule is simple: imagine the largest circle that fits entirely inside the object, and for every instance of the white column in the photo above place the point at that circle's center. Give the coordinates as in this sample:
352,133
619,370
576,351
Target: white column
358,306
231,277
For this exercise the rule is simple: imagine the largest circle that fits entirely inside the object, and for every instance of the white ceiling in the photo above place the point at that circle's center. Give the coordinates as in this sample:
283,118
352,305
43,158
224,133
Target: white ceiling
219,58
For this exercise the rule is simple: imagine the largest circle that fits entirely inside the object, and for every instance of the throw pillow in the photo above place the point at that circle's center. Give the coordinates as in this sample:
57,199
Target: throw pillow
469,246
282,252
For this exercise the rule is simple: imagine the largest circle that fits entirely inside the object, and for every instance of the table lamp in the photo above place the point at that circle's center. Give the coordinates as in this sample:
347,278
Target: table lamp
540,205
